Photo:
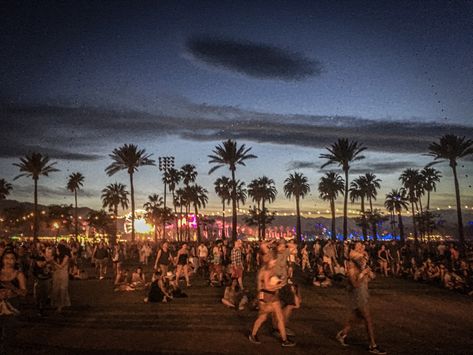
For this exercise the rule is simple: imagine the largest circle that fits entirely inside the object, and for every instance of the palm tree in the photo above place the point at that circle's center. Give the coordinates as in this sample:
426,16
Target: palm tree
5,188
296,185
115,195
34,165
395,202
128,157
451,148
74,183
411,179
188,174
100,221
241,192
228,153
198,197
152,207
266,193
343,152
359,191
430,177
372,186
223,190
330,186
180,200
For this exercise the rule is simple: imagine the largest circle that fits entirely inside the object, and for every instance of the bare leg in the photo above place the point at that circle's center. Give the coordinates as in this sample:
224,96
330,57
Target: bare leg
365,313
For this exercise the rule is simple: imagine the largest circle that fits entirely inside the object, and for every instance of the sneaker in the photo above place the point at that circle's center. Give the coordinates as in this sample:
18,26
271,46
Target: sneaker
341,338
376,350
288,343
253,339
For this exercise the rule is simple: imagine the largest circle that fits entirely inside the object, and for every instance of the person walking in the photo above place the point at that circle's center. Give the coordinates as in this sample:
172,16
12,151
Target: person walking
60,290
359,275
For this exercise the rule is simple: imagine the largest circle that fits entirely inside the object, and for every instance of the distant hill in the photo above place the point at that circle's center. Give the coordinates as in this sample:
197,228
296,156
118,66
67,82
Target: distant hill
4,204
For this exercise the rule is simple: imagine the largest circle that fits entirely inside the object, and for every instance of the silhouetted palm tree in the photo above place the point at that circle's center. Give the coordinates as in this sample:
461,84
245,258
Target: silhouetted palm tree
188,174
267,192
395,202
5,188
100,221
343,152
128,157
330,186
34,165
228,153
411,180
223,190
173,177
451,148
74,183
359,191
152,208
297,185
180,200
430,177
372,186
113,196
198,197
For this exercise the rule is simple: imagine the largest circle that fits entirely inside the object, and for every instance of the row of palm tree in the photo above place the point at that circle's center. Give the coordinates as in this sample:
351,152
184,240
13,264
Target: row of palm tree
343,153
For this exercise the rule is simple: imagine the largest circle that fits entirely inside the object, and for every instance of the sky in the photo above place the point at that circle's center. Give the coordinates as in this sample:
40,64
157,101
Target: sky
286,78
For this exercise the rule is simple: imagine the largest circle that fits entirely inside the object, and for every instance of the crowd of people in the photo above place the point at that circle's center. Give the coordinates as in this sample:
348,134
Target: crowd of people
321,263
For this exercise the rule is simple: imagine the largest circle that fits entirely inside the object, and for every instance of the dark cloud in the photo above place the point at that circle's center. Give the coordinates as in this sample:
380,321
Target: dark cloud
386,167
298,164
253,59
78,133
26,191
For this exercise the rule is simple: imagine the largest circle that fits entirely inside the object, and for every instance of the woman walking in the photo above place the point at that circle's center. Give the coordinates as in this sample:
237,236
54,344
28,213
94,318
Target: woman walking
182,264
60,292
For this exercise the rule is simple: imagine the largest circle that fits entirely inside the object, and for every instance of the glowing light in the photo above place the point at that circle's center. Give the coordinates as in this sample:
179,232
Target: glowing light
140,223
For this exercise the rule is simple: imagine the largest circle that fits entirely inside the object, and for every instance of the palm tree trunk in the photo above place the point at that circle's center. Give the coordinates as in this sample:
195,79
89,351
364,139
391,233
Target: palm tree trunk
132,197
428,200
263,221
401,228
115,236
164,219
180,219
373,224
223,219
334,231
76,226
363,217
345,208
36,219
175,214
414,224
461,235
234,208
259,220
298,224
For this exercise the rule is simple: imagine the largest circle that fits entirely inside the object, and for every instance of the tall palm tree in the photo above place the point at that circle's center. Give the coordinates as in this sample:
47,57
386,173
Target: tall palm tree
34,165
113,196
5,188
430,177
268,193
395,202
173,177
180,200
228,153
411,179
241,192
199,198
372,187
330,186
256,194
74,182
128,157
297,185
343,152
223,190
188,174
152,207
452,148
359,191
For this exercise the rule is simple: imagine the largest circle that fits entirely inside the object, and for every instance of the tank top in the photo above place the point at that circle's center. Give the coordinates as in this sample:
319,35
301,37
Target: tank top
164,258
182,259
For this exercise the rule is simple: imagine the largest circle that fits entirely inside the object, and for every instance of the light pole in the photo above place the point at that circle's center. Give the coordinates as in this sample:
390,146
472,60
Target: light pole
165,163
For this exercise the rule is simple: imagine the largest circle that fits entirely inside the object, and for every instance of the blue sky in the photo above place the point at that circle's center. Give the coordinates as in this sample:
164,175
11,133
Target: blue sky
286,78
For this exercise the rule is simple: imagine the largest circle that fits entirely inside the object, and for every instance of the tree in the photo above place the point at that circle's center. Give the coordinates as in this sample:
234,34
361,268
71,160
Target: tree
452,148
74,183
35,165
5,188
411,181
60,217
152,207
262,190
198,197
359,191
128,157
395,202
172,178
113,196
258,217
430,178
372,186
343,152
297,186
223,190
100,221
330,186
228,153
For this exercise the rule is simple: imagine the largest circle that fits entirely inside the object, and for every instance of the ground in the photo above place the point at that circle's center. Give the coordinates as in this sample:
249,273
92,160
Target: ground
410,318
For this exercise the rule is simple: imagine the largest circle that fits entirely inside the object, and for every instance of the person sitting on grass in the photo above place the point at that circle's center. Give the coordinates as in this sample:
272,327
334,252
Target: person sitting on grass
158,291
234,296
138,279
121,281
172,286
321,279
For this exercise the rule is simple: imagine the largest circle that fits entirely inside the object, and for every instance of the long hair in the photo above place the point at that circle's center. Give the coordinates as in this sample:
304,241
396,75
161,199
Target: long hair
6,252
62,251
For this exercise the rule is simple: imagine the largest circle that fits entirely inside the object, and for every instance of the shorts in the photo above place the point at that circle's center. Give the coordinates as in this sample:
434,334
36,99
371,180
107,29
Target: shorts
237,271
217,268
101,262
